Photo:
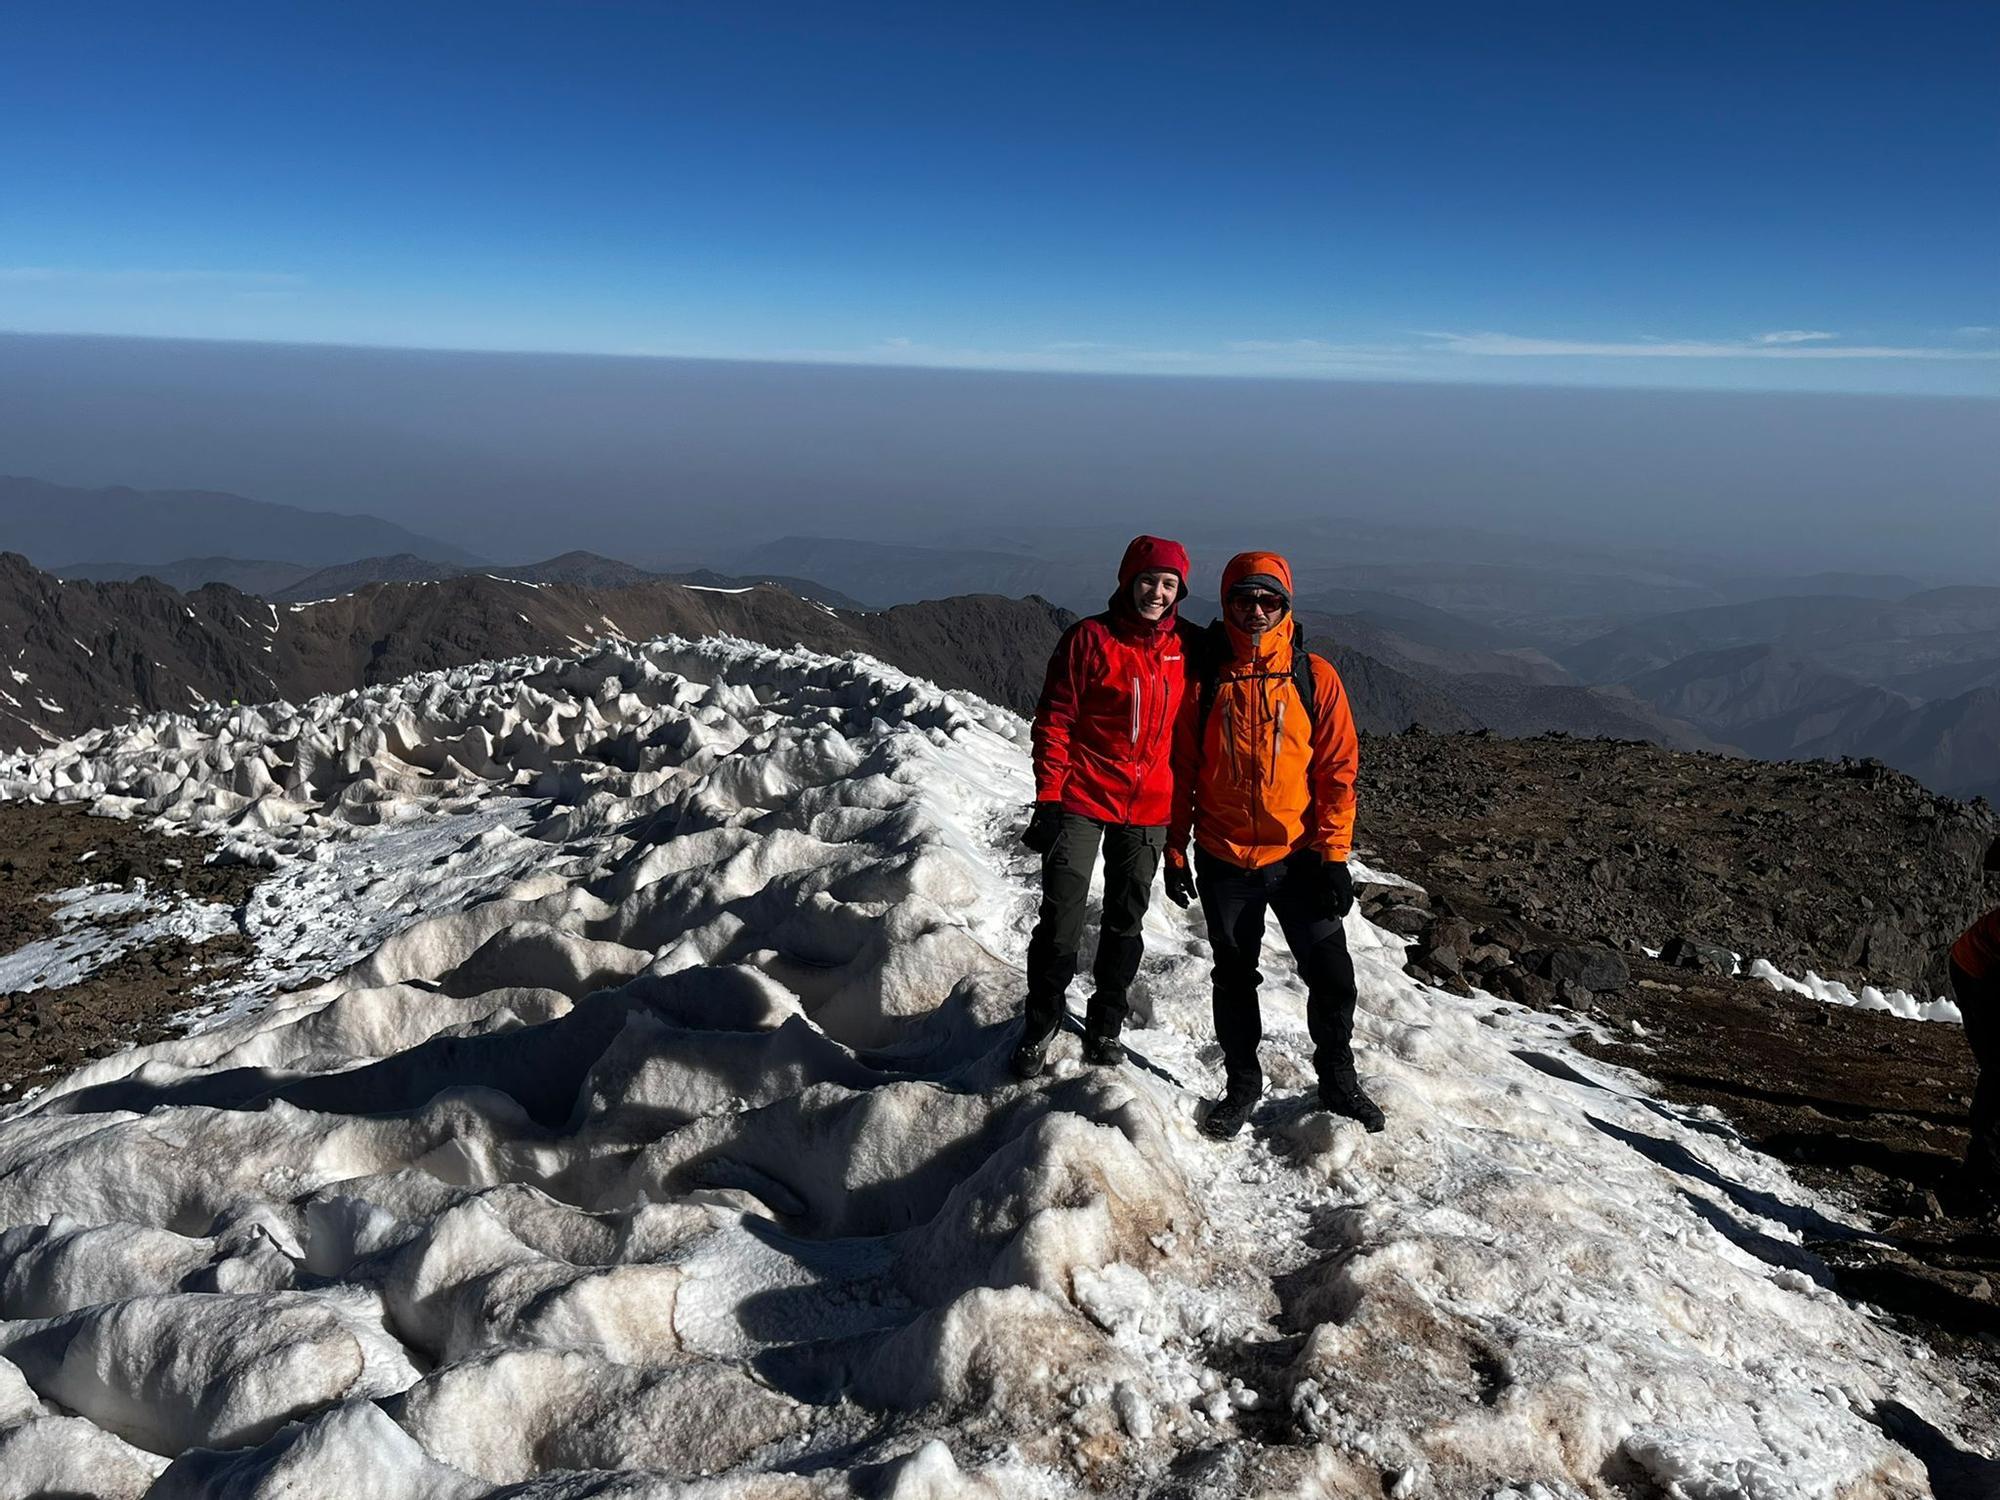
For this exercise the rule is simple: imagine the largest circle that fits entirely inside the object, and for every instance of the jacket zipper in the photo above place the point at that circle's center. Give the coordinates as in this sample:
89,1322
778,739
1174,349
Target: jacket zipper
1138,771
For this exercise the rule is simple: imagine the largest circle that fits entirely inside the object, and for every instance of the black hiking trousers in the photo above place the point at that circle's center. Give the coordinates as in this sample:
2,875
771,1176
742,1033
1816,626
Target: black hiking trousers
1131,859
1234,899
1979,1003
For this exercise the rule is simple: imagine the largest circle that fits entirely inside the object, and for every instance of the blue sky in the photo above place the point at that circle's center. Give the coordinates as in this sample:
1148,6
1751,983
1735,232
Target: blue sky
1740,195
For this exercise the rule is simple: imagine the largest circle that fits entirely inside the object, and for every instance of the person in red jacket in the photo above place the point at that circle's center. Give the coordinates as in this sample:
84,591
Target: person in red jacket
1264,770
1103,739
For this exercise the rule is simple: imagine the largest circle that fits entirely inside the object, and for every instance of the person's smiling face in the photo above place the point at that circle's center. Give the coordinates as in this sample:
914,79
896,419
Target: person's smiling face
1154,592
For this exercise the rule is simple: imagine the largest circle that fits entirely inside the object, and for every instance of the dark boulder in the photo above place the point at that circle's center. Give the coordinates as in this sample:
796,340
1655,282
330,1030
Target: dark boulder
1596,970
1406,921
1692,953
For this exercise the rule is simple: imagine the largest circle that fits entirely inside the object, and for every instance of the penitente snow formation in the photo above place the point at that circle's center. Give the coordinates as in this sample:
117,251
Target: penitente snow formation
616,1104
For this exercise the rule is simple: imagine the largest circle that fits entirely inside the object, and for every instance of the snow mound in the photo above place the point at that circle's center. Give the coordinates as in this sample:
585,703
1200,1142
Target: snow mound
657,1141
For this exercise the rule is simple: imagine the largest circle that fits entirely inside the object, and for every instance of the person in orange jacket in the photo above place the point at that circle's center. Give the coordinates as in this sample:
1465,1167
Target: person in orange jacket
1265,759
1975,985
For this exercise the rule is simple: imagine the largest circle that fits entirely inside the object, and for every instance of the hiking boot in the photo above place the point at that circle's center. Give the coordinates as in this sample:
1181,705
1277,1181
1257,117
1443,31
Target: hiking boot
1227,1115
1031,1056
1102,1051
1342,1095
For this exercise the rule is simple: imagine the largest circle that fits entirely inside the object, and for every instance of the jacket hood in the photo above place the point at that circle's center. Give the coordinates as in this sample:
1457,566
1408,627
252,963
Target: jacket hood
1248,564
1147,554
1264,646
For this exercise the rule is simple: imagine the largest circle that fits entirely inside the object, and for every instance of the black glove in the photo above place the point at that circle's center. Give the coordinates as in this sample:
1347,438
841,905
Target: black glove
1338,885
1044,827
1180,884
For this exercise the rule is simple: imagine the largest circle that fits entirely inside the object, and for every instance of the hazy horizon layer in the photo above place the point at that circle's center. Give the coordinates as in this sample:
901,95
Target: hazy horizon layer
672,460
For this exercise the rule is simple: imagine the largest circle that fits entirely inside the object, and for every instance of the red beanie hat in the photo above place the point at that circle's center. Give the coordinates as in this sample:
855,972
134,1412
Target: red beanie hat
1148,554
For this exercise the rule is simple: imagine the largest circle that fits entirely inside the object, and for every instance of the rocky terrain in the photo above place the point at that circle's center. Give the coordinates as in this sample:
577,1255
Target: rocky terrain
135,996
1850,869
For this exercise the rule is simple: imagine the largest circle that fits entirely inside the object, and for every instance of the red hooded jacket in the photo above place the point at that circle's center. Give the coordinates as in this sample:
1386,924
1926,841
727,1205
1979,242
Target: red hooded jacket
1104,727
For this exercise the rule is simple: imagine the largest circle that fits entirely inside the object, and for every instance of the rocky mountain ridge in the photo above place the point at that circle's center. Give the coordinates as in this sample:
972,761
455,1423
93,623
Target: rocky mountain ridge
83,655
1912,681
90,653
295,583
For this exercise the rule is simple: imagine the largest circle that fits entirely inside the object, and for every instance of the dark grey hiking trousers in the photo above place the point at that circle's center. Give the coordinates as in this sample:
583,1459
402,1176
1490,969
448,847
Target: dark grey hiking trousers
1234,901
1131,859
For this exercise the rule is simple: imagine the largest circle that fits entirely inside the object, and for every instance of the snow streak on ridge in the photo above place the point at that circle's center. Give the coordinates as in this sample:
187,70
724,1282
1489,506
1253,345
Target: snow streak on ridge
681,1161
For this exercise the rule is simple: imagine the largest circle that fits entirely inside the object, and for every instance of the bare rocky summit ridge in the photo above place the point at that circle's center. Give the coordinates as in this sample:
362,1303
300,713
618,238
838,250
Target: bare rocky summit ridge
84,655
1541,845
262,577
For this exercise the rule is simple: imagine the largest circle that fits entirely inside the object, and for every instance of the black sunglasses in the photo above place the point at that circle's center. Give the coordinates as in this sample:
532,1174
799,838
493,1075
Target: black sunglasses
1268,603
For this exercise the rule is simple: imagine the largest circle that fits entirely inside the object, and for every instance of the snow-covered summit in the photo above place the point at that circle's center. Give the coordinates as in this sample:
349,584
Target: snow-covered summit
662,1146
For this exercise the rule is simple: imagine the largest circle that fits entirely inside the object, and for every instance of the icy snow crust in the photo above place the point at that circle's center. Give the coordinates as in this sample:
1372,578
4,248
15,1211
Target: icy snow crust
687,1164
81,946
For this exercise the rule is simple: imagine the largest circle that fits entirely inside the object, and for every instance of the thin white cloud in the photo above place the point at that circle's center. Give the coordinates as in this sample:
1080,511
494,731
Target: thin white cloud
1425,356
1316,351
1975,331
1794,336
1513,346
140,276
1082,355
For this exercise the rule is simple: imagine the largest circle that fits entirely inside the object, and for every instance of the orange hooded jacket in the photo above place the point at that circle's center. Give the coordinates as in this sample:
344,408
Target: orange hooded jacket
1260,779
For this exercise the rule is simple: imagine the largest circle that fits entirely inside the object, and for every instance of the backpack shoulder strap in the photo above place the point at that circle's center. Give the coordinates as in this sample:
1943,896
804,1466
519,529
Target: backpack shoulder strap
1304,680
1205,649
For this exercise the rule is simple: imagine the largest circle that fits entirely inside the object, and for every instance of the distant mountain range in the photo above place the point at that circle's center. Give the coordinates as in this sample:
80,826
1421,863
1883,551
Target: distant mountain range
1913,682
88,654
81,655
57,525
293,583
884,573
251,575
1823,666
